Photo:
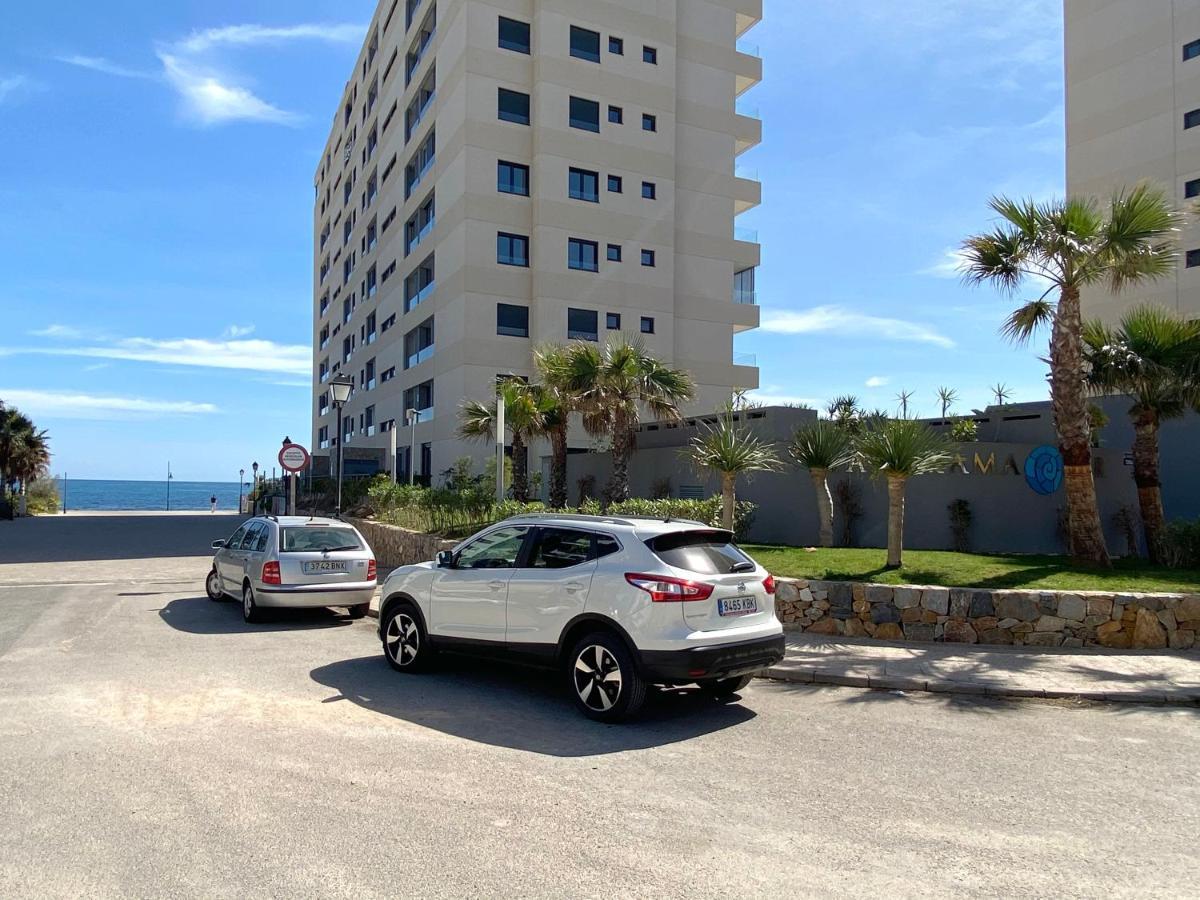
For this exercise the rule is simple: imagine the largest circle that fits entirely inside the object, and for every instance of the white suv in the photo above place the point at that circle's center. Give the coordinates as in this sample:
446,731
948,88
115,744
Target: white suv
614,603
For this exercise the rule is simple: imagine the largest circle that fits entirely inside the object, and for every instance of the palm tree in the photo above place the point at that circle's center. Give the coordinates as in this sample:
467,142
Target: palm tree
902,398
1154,357
729,451
524,417
900,449
558,404
947,397
1001,392
1073,244
610,385
820,447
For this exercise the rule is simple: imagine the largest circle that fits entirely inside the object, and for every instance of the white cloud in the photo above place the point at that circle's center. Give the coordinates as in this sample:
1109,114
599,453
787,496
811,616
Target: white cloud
66,332
837,320
211,101
100,64
9,85
877,381
237,331
249,35
247,355
949,266
72,405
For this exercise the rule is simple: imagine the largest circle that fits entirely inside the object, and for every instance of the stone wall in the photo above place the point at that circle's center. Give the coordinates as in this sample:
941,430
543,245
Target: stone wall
395,546
1020,618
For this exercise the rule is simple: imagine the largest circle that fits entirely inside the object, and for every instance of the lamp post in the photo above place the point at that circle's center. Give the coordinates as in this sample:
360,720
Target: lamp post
241,481
254,479
340,389
411,416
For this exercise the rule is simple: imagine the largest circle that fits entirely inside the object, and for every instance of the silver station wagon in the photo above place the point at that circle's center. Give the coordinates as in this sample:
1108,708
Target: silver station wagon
293,562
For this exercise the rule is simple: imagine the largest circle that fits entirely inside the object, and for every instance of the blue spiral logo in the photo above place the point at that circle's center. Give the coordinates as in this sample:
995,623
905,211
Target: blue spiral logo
1044,470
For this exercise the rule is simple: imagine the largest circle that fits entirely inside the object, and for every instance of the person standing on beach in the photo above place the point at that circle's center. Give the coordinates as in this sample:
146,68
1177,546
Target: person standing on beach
213,502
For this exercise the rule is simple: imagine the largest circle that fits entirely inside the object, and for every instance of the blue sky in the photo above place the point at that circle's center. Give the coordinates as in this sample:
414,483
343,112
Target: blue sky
156,166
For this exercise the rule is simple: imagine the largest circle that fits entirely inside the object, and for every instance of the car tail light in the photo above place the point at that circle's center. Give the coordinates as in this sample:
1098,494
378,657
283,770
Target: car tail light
372,571
270,573
769,584
663,589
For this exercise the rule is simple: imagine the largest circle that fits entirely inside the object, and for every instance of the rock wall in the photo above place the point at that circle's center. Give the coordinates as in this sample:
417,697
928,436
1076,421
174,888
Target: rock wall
1020,618
395,546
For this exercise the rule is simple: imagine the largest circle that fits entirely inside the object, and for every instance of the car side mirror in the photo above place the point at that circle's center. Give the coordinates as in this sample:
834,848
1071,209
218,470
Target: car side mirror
217,545
445,559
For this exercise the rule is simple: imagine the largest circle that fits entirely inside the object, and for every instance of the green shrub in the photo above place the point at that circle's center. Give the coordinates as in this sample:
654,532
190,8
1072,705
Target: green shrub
1181,545
964,431
41,497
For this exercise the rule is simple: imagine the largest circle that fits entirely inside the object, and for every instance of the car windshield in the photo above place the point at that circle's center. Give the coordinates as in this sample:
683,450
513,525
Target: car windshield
316,538
702,552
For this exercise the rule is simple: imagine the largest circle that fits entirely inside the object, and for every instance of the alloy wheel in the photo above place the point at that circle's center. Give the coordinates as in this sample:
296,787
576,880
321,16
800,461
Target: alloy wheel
597,677
403,639
214,585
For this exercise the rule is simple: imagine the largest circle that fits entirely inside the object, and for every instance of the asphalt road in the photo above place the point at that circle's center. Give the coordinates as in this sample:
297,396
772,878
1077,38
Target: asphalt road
152,744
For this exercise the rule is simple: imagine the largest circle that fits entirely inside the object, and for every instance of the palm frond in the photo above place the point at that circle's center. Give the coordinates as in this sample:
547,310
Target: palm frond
729,449
822,444
1021,325
903,447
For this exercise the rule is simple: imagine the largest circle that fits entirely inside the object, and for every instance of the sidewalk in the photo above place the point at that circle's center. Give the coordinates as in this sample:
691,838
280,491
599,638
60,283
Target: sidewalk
1141,676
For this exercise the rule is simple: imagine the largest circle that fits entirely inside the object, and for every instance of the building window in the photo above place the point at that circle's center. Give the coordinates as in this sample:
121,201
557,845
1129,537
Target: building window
420,398
418,344
650,55
614,252
649,122
513,106
1192,188
616,115
583,325
585,114
583,255
584,185
649,191
585,44
512,249
647,325
648,258
514,35
512,321
615,184
1191,119
1193,259
419,284
368,375
388,323
616,46
613,321
1191,51
743,286
512,178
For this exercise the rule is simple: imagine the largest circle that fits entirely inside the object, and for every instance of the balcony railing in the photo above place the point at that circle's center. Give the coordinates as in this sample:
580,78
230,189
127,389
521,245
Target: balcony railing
749,235
746,109
745,297
419,357
745,359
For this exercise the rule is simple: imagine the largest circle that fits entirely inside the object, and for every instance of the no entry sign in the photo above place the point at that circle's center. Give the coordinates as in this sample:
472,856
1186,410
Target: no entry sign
293,458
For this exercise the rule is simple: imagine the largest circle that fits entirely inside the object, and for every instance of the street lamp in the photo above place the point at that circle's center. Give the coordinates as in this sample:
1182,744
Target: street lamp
411,416
340,389
241,481
254,467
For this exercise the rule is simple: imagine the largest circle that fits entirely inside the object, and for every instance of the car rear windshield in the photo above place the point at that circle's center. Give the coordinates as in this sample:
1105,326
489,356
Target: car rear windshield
702,552
315,538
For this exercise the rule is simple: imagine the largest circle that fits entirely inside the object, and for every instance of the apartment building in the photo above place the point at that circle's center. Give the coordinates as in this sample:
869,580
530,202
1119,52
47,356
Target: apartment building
1133,113
503,174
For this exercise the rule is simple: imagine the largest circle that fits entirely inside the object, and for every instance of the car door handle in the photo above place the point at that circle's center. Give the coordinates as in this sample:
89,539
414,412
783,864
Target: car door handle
497,585
573,587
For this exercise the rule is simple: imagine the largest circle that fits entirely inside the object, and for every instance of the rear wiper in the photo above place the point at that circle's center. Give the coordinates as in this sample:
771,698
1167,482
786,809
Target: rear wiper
746,566
337,549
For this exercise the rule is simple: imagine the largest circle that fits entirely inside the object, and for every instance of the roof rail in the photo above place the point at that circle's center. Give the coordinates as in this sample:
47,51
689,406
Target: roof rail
615,520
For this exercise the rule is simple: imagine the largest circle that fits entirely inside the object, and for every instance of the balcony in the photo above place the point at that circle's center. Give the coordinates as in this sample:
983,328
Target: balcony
747,127
745,359
745,297
415,359
411,303
748,14
746,235
747,67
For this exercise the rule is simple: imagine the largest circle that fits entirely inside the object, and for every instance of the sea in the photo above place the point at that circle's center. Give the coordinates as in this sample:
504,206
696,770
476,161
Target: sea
147,495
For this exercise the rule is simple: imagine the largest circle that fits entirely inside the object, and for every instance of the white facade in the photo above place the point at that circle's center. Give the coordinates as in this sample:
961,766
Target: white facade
434,273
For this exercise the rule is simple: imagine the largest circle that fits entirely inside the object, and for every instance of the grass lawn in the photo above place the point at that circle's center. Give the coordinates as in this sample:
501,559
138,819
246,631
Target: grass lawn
970,570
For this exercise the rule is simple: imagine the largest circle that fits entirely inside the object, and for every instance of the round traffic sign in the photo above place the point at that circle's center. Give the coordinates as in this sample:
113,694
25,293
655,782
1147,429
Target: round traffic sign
293,458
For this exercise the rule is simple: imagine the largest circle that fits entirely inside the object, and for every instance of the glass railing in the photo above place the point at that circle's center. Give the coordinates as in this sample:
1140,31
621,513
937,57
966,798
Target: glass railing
748,110
749,235
750,48
424,415
419,357
750,173
745,359
420,297
745,297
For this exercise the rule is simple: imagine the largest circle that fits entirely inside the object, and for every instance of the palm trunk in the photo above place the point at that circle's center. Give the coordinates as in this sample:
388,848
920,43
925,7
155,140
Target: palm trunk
820,480
895,550
558,467
1145,475
622,450
520,466
1069,399
728,500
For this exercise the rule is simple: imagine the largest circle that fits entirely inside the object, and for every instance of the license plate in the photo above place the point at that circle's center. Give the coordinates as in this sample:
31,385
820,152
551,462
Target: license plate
324,567
737,606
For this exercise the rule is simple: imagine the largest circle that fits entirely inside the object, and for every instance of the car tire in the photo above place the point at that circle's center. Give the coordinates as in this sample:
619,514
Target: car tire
250,610
724,688
212,586
405,643
604,679
358,611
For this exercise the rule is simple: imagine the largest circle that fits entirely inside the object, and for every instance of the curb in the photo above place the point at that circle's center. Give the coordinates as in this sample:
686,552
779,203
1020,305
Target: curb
1182,697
